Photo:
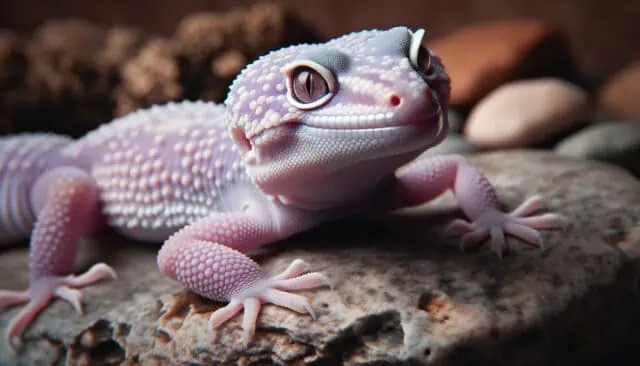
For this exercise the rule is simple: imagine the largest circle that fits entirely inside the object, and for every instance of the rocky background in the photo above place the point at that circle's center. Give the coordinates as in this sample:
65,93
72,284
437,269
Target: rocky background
561,77
533,77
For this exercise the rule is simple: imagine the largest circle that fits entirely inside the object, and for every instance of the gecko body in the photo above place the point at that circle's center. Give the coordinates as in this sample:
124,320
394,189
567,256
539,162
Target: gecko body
308,133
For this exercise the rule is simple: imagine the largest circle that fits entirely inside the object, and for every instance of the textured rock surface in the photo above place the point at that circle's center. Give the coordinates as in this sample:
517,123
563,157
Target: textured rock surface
523,113
481,57
614,142
402,292
620,95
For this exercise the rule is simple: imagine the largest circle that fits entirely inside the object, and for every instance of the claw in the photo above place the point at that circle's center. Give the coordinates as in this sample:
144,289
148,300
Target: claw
459,227
96,273
294,302
307,281
545,221
73,296
11,298
251,310
498,242
221,315
21,321
525,233
296,268
529,206
473,238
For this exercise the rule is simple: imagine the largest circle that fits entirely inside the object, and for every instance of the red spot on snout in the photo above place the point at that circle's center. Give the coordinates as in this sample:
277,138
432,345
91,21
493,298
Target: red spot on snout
395,100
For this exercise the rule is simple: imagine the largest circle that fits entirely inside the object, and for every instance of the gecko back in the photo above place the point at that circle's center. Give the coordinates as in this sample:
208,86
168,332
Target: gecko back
23,158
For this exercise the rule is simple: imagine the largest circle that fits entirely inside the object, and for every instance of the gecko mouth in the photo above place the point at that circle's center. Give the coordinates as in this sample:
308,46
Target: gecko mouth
411,130
371,121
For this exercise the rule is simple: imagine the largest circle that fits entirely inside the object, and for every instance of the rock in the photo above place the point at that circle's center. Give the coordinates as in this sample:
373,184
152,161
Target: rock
456,120
614,142
452,144
620,95
481,57
524,113
403,291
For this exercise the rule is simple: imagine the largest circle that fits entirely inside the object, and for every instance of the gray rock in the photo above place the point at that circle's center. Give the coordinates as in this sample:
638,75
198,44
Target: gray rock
452,144
456,120
614,142
403,292
523,113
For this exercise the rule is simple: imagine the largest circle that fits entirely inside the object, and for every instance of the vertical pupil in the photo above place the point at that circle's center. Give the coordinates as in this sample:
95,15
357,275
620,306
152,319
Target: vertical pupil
309,83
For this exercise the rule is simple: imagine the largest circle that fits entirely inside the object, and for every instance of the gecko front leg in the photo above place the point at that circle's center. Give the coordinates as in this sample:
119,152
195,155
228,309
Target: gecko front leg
66,200
427,178
207,258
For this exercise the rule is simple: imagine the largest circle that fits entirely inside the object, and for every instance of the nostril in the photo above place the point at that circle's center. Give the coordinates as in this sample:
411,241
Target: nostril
240,137
394,100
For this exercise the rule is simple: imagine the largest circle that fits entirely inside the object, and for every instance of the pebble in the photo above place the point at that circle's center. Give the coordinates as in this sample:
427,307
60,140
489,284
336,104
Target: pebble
481,57
456,120
523,113
613,142
621,94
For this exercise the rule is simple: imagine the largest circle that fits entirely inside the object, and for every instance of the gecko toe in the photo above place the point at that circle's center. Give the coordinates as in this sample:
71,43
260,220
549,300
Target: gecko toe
252,307
225,313
11,298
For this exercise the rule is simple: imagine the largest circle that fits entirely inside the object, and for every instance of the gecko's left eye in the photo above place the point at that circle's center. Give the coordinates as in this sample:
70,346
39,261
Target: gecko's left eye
309,84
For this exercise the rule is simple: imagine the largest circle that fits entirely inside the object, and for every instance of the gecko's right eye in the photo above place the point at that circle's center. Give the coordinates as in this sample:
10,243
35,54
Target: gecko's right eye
309,84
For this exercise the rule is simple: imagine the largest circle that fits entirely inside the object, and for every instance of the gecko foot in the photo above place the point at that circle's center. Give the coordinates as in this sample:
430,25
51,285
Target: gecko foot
42,291
502,227
274,291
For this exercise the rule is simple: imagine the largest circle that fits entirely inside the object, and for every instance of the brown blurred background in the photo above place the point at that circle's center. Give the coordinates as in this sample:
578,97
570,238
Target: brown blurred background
604,35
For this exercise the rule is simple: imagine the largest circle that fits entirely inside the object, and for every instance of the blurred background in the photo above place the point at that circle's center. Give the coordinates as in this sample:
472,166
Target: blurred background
604,35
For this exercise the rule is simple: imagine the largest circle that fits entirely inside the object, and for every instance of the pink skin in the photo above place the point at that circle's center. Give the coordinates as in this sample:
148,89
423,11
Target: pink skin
215,182
425,179
63,192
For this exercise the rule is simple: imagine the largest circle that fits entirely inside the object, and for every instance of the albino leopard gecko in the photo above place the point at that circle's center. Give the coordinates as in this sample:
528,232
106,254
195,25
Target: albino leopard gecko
308,133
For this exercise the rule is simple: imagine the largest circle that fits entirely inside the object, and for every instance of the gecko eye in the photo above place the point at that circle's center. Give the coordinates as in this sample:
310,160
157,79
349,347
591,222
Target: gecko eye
309,85
420,56
424,61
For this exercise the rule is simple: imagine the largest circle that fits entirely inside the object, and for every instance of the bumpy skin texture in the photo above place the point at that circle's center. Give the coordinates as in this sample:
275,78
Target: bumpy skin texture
215,182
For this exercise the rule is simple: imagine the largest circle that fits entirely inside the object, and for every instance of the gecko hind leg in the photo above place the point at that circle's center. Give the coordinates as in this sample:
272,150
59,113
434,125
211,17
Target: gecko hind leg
43,290
67,205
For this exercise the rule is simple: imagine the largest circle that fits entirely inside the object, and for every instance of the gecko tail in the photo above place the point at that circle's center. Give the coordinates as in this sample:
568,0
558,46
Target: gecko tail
23,158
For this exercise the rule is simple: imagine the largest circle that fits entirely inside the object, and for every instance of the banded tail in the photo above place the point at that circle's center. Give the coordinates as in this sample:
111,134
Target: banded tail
23,158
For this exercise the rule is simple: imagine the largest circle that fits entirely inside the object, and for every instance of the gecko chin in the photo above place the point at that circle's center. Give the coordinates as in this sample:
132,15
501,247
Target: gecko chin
297,161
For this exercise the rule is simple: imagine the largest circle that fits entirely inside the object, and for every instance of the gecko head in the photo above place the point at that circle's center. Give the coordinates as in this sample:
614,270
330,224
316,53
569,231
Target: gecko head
319,122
